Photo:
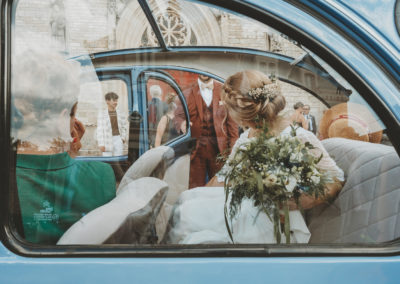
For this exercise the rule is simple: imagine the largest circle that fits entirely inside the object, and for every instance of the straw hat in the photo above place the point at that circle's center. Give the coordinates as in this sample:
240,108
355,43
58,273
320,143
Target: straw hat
352,121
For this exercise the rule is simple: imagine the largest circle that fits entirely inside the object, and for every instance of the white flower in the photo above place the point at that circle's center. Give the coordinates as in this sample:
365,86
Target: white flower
243,147
296,156
290,183
270,179
315,179
315,171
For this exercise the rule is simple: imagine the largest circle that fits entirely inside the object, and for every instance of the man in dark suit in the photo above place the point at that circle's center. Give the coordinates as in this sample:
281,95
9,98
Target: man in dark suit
214,129
310,119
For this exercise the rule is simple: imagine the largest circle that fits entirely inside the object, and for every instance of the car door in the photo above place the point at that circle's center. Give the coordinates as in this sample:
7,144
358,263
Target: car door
160,97
169,92
324,53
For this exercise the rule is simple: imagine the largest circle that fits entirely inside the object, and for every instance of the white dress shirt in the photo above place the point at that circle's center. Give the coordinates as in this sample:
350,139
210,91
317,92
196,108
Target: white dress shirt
206,91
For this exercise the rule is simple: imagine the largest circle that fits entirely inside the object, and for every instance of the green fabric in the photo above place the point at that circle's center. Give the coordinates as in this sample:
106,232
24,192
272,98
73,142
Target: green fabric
55,191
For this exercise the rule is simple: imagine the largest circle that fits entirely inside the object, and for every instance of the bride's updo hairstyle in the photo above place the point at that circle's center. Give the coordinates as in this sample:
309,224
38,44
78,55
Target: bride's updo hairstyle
250,96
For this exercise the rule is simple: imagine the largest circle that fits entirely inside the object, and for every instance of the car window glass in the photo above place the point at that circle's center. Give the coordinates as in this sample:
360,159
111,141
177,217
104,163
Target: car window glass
186,23
59,23
262,143
92,112
162,103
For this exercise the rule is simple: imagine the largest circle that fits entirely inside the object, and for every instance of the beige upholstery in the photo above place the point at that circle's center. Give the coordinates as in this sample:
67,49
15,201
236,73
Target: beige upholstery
142,197
140,211
367,208
177,178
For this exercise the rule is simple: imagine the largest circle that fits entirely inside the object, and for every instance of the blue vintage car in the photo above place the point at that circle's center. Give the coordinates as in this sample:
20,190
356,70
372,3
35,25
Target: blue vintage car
342,58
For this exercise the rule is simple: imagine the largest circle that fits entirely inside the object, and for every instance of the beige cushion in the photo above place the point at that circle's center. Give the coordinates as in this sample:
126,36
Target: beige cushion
138,203
146,165
366,209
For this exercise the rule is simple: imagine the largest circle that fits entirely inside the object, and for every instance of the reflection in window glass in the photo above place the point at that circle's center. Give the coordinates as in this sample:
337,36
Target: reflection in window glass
184,23
163,101
175,194
53,189
100,125
81,27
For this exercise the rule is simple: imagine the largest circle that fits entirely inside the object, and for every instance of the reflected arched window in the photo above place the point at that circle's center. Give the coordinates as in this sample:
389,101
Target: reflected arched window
174,28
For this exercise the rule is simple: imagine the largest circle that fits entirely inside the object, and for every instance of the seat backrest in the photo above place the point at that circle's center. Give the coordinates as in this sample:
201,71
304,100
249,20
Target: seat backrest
363,211
128,218
140,200
146,164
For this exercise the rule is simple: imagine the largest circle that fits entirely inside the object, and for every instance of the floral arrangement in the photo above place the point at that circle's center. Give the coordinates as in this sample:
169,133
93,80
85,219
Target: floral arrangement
272,171
267,92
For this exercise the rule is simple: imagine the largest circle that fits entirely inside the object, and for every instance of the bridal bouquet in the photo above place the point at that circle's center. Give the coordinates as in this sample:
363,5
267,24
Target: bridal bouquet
271,171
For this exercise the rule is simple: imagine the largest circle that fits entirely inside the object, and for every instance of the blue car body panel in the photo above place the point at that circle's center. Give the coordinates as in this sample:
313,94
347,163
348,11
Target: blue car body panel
361,63
378,23
17,269
361,19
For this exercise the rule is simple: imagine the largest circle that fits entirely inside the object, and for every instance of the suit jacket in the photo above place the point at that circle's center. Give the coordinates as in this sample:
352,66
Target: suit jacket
311,121
226,131
104,130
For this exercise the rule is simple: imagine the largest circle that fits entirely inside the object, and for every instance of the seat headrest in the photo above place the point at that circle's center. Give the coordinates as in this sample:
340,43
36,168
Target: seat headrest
146,164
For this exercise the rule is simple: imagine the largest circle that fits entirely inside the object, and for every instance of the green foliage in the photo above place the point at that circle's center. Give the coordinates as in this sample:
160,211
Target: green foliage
271,171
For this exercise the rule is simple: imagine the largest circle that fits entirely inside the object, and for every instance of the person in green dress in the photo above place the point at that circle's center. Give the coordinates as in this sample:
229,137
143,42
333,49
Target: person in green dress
54,190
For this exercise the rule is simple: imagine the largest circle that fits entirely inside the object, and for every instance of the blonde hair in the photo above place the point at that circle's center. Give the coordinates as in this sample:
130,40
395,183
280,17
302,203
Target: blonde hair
243,107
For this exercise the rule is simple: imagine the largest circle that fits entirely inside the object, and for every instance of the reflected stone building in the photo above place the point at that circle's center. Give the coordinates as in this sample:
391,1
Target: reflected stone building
87,26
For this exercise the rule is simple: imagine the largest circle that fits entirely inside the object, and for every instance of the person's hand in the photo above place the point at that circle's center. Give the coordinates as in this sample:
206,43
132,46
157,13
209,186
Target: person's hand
183,126
75,146
306,202
102,148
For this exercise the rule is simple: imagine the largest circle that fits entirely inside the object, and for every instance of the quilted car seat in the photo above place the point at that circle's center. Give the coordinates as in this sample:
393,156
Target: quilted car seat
367,208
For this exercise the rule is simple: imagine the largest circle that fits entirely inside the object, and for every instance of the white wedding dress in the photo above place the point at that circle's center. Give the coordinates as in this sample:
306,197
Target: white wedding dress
198,216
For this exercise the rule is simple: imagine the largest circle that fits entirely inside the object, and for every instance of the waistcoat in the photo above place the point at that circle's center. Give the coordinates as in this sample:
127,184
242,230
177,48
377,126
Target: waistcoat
208,135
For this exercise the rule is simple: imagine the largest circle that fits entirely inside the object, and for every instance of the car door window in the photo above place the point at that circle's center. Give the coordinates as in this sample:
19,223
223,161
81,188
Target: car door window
254,87
93,112
162,104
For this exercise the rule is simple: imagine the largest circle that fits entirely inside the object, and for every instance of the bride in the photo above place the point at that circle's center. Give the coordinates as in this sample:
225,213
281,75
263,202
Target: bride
198,216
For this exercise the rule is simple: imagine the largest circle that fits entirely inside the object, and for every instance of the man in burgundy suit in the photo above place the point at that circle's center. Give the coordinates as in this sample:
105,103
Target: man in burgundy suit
213,128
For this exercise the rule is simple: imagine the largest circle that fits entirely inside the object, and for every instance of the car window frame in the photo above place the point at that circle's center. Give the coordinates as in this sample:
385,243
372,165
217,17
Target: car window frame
142,79
18,246
104,74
